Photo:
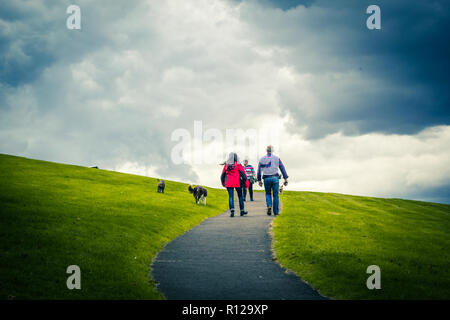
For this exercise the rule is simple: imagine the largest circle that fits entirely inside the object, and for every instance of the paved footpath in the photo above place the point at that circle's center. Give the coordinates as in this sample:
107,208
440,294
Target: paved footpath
227,258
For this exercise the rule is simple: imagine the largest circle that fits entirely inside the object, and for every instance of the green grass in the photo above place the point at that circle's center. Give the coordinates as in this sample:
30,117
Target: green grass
112,225
329,240
109,224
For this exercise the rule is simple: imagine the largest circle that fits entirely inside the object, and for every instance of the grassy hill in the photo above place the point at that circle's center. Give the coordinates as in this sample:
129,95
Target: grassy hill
331,239
112,225
109,224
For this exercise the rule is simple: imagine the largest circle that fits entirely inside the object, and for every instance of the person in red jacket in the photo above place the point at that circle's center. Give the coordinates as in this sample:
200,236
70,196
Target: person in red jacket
234,177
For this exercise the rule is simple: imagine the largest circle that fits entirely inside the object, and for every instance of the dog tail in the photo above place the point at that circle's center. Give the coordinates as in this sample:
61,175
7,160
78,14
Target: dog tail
191,190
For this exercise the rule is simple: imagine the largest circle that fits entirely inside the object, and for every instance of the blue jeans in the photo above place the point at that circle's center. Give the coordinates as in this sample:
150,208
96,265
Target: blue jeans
272,185
231,198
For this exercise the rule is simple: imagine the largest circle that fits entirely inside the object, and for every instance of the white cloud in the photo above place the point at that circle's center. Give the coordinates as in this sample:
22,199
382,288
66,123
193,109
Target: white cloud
135,168
384,165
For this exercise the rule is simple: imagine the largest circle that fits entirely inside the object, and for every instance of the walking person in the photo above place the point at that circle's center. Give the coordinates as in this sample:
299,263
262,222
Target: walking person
233,177
268,170
251,178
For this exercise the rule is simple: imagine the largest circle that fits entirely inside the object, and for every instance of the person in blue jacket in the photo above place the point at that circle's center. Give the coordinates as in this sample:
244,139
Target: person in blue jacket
268,170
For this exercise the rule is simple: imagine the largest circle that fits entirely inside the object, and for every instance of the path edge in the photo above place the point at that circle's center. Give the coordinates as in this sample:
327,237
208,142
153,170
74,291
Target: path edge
287,270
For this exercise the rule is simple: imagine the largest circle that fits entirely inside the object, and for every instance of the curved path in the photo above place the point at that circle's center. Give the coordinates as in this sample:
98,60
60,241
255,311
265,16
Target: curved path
227,258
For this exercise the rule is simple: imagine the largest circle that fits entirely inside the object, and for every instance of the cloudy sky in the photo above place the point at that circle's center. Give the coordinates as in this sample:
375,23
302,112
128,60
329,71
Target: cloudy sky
349,109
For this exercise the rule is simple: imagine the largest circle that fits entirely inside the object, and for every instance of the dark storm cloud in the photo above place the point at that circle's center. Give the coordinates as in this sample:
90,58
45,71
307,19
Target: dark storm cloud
51,99
112,93
33,36
406,64
24,50
437,194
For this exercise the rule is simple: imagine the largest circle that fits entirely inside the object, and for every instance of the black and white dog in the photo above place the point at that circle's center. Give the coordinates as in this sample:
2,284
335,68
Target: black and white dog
161,186
199,193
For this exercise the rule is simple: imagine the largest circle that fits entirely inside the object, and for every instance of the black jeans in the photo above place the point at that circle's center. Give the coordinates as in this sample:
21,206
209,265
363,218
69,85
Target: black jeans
250,191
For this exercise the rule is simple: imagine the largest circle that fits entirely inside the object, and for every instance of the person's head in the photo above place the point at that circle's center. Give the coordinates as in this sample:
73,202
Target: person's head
269,149
232,158
245,162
